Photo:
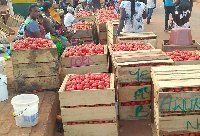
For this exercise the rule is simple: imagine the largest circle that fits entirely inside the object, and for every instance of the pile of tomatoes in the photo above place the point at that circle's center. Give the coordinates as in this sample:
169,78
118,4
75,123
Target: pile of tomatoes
32,43
183,55
105,15
84,49
83,14
88,81
123,46
81,26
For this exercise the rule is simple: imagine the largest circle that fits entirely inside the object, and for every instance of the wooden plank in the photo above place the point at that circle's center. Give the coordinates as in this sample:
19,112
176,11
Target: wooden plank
178,101
136,35
134,93
188,62
79,61
87,97
34,55
184,124
88,113
101,27
134,112
30,84
87,18
102,35
179,83
82,33
175,68
169,48
109,129
35,69
86,69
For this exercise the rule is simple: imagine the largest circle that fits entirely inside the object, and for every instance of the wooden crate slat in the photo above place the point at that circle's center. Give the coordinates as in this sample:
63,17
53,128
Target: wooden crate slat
136,35
77,61
134,93
30,84
175,68
86,69
35,69
185,124
179,83
178,101
29,56
86,18
134,112
170,48
102,35
88,113
87,97
109,129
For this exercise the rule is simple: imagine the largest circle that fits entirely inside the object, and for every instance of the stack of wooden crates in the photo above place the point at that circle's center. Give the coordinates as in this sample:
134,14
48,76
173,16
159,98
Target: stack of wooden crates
133,81
176,100
111,27
35,69
82,115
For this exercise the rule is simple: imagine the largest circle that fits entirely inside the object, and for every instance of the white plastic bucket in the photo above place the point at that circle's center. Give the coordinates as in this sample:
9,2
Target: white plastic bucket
2,66
25,109
3,88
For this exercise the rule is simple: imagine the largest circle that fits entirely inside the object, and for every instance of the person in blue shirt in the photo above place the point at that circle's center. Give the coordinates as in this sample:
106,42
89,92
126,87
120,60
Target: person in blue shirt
169,9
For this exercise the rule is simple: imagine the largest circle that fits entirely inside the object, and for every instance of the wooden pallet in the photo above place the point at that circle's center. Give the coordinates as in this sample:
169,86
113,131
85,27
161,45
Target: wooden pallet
35,68
169,48
127,73
143,37
168,105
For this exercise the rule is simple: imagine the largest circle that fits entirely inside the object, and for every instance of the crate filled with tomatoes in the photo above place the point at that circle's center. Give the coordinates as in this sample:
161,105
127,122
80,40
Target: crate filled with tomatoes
88,104
184,57
35,64
83,59
101,19
111,27
143,37
85,16
176,99
83,31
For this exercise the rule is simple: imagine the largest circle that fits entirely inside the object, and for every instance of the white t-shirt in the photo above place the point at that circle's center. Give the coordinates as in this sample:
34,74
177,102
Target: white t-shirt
150,4
68,20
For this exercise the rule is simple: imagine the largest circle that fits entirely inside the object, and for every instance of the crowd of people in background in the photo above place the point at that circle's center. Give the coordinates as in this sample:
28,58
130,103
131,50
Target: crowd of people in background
40,23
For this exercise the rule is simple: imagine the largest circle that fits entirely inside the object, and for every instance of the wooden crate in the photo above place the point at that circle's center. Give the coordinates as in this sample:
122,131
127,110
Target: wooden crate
35,68
127,73
144,37
111,39
179,109
101,27
102,35
109,129
112,26
169,48
87,97
188,62
84,64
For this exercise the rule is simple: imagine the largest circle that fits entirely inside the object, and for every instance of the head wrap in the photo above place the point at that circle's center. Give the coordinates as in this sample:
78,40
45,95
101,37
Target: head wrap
89,1
70,9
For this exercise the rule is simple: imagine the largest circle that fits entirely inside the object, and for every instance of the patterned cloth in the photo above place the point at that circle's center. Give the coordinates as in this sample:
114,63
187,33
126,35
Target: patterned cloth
136,24
116,6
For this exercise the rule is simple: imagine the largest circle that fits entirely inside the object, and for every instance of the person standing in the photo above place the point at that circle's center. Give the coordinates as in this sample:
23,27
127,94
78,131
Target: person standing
69,19
150,7
169,9
131,17
182,13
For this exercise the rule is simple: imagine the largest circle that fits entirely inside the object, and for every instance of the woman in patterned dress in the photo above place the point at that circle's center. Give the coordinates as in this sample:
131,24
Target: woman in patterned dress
131,16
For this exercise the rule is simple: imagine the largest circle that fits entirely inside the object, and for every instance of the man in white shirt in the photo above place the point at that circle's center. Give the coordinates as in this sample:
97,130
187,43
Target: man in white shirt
150,7
69,18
